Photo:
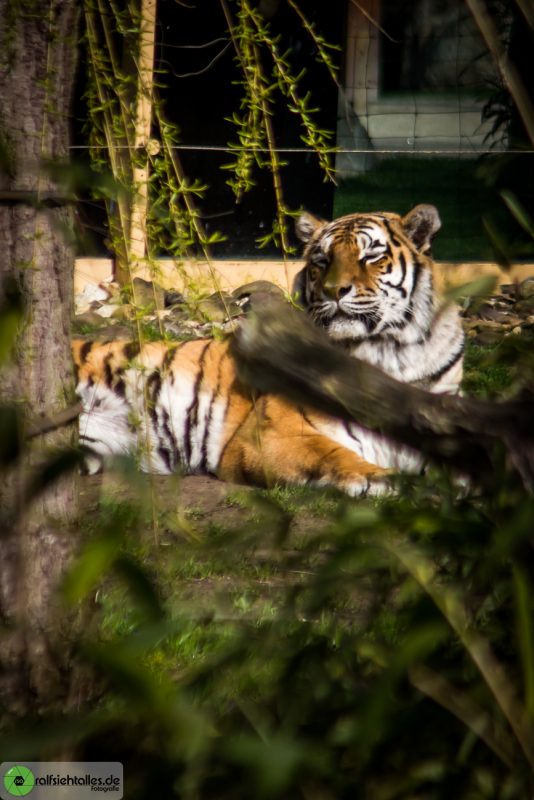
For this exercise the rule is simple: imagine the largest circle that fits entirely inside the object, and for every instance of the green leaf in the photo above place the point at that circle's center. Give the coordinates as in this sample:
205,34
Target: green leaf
95,560
525,634
142,588
57,465
273,762
479,287
129,675
499,245
519,212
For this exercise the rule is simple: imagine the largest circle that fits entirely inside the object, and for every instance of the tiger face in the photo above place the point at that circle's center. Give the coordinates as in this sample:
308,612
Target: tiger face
362,271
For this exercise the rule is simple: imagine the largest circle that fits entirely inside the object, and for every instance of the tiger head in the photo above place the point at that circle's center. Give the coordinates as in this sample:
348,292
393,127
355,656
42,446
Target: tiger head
368,275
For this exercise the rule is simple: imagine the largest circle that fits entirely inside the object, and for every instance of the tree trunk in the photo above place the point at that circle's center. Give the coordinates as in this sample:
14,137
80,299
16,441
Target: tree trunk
37,66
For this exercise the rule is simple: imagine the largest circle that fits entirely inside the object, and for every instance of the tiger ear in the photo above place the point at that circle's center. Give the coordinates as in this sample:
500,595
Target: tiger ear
421,225
306,225
298,290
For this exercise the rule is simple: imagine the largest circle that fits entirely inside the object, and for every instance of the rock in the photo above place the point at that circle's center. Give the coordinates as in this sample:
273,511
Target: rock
89,319
525,290
173,298
123,312
92,293
508,289
494,313
108,310
177,314
488,324
257,286
525,306
257,294
182,328
489,337
509,313
218,307
147,295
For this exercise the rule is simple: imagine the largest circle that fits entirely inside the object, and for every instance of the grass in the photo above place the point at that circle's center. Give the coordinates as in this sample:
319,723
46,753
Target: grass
452,185
206,565
493,371
485,375
216,580
297,618
212,578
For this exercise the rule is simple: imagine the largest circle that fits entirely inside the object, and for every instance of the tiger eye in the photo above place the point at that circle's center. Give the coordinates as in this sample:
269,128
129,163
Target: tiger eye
380,263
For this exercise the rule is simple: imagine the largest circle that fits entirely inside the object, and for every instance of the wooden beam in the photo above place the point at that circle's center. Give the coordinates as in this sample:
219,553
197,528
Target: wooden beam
229,274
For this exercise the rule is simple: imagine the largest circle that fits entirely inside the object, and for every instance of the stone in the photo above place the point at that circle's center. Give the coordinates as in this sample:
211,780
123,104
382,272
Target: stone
92,293
182,329
266,287
489,337
173,298
256,294
88,318
123,312
525,289
494,313
508,289
147,294
525,306
488,324
177,314
106,311
218,307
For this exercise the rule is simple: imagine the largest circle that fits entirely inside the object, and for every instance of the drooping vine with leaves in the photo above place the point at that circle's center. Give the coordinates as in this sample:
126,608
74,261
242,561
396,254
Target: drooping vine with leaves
173,221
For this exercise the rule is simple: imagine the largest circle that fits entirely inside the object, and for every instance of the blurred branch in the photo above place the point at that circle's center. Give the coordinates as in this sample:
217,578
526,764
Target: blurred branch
509,73
527,9
458,703
373,21
37,199
281,351
46,424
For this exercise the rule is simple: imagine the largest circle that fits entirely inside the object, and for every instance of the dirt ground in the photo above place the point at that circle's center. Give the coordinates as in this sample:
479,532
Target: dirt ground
217,548
200,502
198,497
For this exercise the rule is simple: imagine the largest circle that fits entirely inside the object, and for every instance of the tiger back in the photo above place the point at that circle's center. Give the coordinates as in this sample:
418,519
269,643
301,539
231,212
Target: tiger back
368,280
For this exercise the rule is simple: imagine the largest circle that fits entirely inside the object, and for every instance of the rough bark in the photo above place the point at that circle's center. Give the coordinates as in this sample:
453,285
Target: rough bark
281,351
37,68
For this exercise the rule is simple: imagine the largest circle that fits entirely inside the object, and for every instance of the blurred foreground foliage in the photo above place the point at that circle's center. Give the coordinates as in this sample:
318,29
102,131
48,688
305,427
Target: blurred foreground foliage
382,649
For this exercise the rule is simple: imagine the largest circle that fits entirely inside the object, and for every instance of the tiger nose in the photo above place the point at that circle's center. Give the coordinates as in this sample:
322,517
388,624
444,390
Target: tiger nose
337,290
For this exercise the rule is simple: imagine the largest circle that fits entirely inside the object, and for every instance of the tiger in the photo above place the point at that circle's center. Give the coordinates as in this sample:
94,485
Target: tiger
368,281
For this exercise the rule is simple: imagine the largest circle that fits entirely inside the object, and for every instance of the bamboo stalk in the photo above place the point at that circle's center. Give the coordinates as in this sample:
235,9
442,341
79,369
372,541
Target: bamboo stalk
116,161
453,608
510,75
143,119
